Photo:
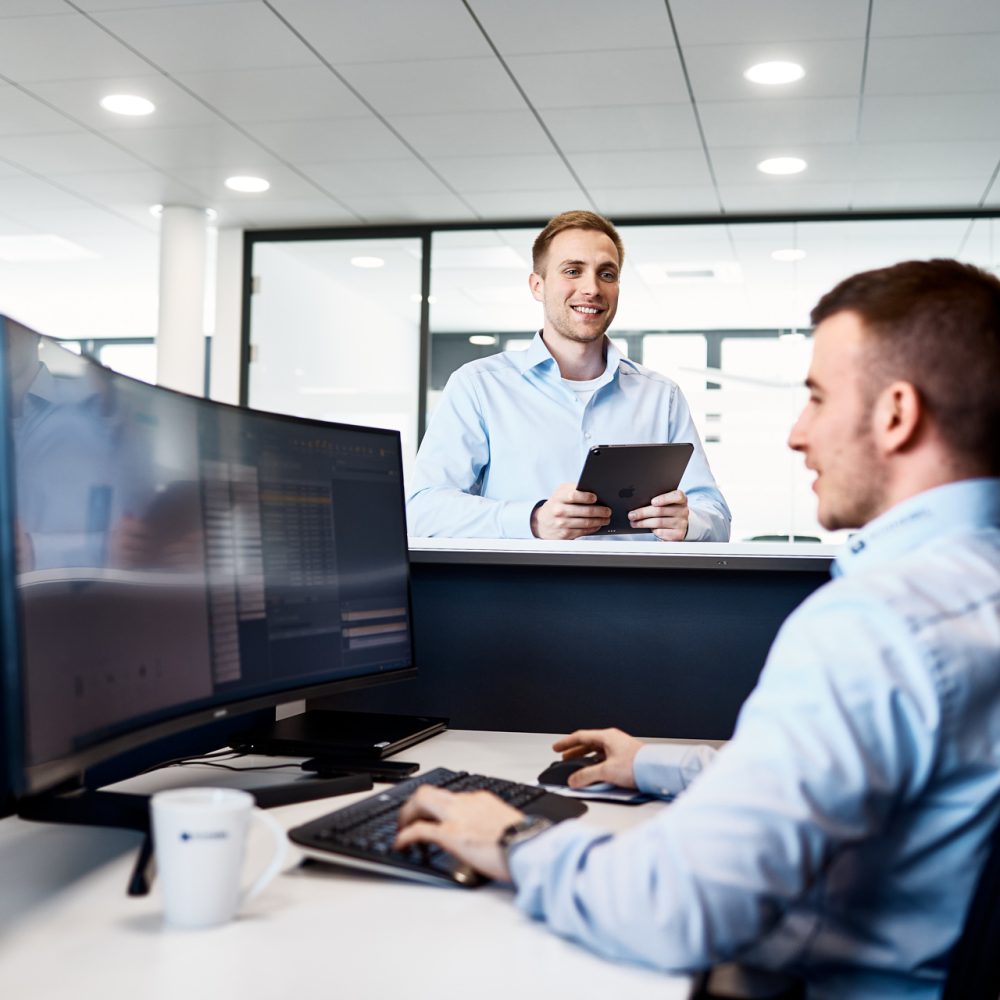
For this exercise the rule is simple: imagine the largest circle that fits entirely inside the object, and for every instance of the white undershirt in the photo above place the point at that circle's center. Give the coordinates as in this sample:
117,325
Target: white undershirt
582,390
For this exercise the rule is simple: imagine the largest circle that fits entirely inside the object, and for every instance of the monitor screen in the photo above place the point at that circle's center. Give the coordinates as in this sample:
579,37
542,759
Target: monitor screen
170,561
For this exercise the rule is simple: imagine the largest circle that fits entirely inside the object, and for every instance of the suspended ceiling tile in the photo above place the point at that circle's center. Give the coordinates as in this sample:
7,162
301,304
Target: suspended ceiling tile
909,194
496,132
623,76
275,94
833,69
135,187
414,87
642,168
931,117
397,207
23,114
62,47
62,152
504,173
80,99
927,160
188,146
645,201
527,26
195,38
21,196
832,196
744,123
632,127
945,64
526,204
386,30
722,21
932,17
371,178
291,212
324,140
825,162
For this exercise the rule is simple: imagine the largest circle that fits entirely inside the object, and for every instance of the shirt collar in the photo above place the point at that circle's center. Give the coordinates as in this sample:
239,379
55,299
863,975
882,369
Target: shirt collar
961,506
538,355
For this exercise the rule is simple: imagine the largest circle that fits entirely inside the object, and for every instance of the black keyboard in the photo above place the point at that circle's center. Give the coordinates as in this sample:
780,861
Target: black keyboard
362,835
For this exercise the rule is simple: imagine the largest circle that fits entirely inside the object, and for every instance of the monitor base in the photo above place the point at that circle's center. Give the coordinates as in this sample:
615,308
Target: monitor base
331,734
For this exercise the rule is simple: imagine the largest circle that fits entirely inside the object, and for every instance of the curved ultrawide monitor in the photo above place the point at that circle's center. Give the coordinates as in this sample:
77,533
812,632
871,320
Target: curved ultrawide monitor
170,561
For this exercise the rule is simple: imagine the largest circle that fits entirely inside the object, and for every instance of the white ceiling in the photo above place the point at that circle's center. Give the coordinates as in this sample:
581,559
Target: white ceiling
385,111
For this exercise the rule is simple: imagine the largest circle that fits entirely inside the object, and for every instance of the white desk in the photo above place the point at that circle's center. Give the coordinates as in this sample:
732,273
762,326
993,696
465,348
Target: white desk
68,929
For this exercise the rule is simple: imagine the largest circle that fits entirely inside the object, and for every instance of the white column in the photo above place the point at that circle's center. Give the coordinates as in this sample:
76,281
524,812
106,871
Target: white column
225,380
180,338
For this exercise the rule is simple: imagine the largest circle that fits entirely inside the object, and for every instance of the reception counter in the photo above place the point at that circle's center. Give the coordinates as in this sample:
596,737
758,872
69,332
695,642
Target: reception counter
661,639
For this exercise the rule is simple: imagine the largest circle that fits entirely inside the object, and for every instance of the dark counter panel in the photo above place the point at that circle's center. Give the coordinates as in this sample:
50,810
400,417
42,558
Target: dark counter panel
658,652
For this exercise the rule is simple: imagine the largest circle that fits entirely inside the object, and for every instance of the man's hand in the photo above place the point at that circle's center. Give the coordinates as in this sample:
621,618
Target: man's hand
466,824
568,513
667,515
617,748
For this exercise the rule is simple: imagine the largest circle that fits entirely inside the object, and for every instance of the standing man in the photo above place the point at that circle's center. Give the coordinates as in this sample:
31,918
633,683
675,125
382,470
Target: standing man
842,830
506,444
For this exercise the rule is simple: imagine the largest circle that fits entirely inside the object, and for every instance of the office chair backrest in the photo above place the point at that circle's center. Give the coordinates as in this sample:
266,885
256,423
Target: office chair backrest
974,971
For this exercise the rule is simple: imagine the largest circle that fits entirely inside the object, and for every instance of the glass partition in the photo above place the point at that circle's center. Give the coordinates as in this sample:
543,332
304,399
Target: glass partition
335,332
721,308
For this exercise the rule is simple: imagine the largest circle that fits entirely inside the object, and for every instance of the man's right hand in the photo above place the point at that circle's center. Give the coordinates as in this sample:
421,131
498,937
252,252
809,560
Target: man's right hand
568,513
617,748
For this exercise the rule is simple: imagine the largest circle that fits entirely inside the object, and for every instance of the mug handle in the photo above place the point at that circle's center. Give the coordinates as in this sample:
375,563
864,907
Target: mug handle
274,866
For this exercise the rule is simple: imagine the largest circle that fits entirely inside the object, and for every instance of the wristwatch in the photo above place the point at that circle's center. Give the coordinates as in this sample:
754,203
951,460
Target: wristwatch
524,829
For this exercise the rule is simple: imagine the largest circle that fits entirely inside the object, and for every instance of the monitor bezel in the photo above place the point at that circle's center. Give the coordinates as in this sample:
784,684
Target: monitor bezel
26,780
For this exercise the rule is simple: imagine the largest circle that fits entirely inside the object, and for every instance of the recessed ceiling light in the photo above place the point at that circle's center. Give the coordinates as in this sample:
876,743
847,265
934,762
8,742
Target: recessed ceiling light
782,165
157,210
41,247
367,261
127,104
789,255
247,185
772,74
482,340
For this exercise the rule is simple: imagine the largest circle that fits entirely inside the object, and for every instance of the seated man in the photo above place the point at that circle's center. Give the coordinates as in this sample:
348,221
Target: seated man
841,831
513,429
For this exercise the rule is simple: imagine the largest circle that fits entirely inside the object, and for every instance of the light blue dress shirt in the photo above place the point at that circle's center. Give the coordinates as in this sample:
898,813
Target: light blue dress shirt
841,831
507,432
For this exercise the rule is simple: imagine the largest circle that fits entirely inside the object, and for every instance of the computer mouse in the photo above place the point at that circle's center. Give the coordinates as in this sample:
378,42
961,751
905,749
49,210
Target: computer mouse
559,772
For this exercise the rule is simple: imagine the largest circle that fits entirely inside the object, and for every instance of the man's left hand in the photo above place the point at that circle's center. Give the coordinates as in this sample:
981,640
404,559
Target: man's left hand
667,516
466,824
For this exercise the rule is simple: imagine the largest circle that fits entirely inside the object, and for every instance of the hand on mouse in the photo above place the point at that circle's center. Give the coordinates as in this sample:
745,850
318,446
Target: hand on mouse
617,749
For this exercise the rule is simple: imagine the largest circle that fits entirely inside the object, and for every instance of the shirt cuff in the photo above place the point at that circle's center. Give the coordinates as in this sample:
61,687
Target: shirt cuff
666,769
515,519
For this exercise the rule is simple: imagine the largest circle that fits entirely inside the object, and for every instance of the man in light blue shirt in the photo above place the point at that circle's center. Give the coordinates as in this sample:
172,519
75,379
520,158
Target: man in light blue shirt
504,449
842,830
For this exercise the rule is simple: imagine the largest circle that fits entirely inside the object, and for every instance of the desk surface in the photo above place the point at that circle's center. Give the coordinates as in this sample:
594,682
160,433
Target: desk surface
68,929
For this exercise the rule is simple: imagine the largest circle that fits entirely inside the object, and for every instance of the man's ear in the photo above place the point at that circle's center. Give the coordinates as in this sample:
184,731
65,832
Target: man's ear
537,285
896,417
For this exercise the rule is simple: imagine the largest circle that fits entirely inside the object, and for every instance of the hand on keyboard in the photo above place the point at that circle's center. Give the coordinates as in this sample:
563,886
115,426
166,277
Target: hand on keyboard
465,824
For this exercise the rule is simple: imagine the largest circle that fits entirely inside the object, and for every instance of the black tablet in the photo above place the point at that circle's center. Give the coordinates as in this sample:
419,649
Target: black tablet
628,476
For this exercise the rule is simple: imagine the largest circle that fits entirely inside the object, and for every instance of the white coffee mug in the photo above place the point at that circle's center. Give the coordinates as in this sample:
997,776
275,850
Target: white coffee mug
199,836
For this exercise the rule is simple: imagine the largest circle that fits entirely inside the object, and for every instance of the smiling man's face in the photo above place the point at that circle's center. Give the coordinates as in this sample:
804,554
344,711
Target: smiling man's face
579,289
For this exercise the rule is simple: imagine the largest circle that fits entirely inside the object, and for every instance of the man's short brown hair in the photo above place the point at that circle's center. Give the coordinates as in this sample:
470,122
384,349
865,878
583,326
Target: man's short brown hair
935,324
579,219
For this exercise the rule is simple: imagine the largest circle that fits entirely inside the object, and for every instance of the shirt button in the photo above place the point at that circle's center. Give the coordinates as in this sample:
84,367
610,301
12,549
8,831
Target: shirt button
587,436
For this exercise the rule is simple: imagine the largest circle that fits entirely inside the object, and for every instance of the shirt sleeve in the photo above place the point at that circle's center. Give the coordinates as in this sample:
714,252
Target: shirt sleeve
832,740
709,517
666,769
452,457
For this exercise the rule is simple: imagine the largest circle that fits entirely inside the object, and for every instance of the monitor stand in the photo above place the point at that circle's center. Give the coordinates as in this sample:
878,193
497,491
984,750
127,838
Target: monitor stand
333,735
